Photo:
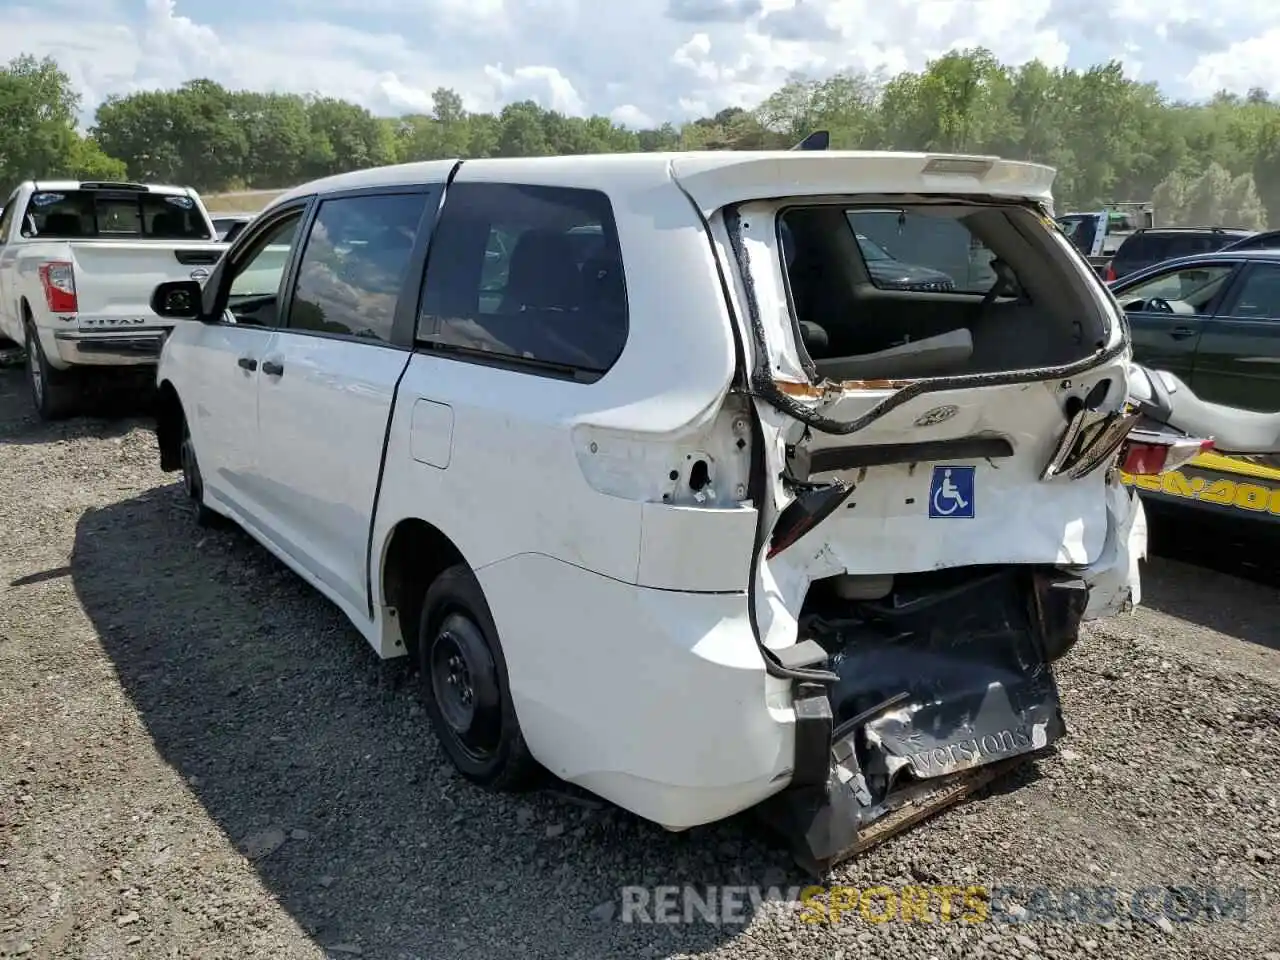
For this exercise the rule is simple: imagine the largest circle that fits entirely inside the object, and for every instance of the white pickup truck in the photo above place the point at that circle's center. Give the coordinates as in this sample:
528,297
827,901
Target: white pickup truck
78,263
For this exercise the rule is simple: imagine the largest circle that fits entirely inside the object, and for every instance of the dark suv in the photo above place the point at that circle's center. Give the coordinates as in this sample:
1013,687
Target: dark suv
1145,248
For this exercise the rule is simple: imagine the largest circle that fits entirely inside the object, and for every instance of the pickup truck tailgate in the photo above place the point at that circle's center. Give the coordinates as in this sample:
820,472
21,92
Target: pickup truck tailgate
115,278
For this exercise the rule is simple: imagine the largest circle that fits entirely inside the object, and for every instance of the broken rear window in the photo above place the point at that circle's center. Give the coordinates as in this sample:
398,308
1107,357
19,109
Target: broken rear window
934,289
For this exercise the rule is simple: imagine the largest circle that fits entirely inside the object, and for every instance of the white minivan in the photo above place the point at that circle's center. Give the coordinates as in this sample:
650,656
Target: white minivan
666,490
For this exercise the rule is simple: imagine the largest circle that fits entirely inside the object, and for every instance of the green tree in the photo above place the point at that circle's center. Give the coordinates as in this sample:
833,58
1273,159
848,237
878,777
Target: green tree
1109,136
37,120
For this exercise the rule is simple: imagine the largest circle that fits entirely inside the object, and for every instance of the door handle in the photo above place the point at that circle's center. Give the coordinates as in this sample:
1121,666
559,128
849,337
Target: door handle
1181,333
247,363
272,369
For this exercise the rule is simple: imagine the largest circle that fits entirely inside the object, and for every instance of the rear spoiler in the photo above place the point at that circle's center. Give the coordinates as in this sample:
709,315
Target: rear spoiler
114,185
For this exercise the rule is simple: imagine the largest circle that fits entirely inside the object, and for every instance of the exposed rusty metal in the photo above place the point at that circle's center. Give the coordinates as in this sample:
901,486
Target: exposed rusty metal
926,800
831,387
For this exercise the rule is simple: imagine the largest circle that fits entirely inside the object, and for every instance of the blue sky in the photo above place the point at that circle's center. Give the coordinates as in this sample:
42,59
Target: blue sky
638,61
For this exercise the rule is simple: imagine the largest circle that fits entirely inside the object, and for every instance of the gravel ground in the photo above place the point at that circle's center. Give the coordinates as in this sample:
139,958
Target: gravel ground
200,759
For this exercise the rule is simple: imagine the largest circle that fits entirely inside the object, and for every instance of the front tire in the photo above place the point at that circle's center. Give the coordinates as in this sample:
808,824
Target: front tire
54,393
192,481
463,675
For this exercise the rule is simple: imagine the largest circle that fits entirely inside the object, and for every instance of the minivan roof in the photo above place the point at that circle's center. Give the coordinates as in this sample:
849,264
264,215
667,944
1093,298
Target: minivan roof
715,178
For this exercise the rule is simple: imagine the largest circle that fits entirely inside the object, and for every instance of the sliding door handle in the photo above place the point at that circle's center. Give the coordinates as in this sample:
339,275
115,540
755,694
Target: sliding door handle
272,369
247,363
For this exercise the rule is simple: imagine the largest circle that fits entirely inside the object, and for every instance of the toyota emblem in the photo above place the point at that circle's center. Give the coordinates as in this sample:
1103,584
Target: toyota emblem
937,415
199,273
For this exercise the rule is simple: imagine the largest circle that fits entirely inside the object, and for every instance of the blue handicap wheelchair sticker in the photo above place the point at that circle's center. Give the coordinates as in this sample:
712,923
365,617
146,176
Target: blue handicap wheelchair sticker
951,492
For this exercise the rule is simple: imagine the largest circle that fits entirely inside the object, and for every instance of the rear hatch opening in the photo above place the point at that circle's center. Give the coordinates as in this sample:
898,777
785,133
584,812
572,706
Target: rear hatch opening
941,382
875,289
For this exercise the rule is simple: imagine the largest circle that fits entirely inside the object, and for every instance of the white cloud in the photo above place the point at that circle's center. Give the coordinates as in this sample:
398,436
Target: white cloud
546,86
1249,63
629,115
640,62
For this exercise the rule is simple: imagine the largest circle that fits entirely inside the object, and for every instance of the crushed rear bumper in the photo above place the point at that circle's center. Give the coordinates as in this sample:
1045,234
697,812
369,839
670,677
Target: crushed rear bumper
938,696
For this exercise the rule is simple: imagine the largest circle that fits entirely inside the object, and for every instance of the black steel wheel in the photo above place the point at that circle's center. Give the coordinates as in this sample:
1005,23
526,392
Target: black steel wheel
464,683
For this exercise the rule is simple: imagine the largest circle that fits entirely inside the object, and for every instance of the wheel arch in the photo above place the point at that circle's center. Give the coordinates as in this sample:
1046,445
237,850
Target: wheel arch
414,553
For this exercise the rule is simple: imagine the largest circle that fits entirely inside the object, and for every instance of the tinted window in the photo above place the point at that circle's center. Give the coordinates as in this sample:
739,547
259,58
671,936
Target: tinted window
354,265
1189,290
1259,295
1154,247
907,250
528,272
1135,247
69,214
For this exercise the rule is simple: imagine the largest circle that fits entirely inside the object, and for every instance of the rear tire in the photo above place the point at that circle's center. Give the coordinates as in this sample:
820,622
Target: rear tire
193,481
464,685
55,393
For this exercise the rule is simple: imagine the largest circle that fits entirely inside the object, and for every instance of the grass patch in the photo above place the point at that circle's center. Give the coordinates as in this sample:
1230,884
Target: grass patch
249,202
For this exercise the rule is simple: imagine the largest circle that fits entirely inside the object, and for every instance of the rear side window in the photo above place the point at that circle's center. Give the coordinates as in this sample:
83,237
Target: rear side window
1154,247
527,273
122,214
354,265
1134,248
924,251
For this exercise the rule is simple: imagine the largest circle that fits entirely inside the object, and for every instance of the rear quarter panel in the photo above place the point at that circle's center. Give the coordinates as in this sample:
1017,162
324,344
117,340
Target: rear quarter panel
560,468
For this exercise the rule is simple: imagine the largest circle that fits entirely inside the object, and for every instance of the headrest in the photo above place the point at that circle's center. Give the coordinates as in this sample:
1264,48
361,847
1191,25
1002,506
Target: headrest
62,223
543,271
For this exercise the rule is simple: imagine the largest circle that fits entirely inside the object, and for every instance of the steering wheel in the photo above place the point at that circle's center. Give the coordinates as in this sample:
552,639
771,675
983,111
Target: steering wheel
1159,305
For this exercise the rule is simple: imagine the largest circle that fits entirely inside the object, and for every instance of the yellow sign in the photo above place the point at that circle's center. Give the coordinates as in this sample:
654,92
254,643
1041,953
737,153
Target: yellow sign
883,904
1254,488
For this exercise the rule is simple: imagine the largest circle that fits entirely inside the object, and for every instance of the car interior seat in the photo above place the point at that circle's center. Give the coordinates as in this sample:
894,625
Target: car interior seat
543,274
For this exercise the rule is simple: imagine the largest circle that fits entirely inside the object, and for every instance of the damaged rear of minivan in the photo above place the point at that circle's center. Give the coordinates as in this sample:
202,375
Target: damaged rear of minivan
940,388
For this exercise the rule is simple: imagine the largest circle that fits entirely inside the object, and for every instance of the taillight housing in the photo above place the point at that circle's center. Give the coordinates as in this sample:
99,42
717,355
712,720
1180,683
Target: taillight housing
1109,274
59,282
1149,455
804,513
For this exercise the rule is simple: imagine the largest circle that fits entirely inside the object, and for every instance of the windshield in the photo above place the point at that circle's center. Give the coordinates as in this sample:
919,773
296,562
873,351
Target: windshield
73,214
